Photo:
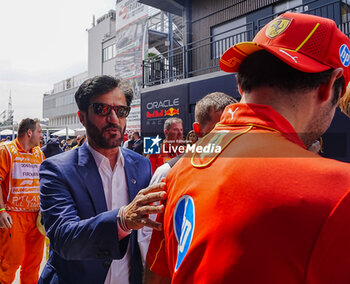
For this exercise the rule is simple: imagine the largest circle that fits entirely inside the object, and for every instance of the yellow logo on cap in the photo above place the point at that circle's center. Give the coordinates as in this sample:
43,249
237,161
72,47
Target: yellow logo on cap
277,26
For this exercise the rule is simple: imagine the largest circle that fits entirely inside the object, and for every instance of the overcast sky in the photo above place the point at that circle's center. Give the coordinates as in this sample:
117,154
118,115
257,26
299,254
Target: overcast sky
42,42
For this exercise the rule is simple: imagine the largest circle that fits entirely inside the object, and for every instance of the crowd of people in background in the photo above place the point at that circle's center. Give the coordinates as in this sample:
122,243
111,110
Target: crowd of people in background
7,139
134,143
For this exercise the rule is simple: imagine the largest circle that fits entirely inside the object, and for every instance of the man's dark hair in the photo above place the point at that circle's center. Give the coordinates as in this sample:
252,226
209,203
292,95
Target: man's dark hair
25,125
100,85
216,101
137,134
264,69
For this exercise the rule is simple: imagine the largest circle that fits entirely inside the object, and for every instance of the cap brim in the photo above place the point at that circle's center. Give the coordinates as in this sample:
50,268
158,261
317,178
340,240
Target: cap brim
233,57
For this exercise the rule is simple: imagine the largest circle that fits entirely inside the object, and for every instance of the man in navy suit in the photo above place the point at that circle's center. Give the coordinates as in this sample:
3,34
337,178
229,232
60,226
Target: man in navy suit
138,144
95,198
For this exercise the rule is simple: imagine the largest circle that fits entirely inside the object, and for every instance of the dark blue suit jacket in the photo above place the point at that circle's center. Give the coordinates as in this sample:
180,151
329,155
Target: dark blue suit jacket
83,234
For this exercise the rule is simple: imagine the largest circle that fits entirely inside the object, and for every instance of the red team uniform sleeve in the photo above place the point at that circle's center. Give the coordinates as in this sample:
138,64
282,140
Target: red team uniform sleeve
156,161
156,255
330,262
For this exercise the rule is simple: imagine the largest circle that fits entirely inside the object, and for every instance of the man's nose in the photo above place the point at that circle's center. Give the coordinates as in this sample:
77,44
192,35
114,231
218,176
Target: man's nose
112,117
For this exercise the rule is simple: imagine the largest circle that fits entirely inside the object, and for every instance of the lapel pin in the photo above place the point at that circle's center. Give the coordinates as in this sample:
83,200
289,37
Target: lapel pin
133,180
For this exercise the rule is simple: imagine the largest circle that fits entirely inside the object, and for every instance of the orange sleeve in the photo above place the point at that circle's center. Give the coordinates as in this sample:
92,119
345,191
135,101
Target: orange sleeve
5,163
156,255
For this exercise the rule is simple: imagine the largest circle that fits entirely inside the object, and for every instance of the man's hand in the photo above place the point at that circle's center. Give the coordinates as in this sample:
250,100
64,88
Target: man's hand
136,214
5,220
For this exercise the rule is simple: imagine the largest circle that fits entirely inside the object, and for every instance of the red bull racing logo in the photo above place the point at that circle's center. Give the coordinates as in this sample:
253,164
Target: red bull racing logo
155,113
160,113
172,111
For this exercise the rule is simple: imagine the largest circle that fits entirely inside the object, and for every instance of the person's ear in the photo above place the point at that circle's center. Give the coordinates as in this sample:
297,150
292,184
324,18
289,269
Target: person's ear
240,89
82,117
325,90
29,133
197,128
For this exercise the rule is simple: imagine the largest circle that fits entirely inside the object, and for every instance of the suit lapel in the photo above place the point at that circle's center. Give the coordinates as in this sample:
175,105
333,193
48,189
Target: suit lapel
130,168
91,177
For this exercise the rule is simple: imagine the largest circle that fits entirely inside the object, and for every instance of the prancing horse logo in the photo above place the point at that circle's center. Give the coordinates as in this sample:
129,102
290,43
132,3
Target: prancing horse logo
277,26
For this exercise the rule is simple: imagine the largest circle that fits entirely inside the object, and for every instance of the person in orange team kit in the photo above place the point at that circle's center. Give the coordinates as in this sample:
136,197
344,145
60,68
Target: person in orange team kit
173,132
265,209
21,243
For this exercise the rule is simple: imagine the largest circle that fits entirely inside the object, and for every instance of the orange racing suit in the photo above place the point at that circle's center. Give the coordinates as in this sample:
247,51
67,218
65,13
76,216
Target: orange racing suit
23,244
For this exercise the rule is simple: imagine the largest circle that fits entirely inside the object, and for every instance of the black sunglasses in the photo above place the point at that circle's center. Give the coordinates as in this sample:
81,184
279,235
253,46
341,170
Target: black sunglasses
105,109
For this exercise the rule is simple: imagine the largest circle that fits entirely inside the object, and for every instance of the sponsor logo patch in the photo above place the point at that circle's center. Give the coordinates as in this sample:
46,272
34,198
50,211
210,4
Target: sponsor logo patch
27,182
184,223
171,112
25,171
277,26
344,54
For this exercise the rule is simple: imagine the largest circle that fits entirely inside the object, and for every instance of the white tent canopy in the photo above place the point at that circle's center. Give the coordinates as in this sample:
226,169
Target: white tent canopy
63,132
80,131
7,132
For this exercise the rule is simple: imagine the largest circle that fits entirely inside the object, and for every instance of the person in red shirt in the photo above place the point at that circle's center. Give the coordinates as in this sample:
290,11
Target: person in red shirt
173,132
265,209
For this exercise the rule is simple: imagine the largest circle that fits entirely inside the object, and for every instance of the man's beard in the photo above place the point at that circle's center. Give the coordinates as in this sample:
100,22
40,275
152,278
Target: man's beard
99,139
319,125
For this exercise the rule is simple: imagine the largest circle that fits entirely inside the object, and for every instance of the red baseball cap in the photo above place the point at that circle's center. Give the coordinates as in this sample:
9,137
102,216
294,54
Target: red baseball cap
305,42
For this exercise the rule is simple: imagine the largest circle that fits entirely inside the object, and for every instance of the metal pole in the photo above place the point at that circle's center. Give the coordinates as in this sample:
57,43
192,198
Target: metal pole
144,58
171,58
47,134
188,36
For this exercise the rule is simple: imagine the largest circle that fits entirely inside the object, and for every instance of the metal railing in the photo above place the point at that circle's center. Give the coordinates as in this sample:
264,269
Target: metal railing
202,56
160,70
330,10
160,23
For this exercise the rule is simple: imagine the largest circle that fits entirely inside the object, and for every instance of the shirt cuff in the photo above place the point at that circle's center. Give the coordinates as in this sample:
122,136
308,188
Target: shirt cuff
123,230
121,233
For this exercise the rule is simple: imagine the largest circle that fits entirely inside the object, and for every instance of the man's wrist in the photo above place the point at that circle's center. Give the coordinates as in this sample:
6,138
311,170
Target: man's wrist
3,209
121,220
